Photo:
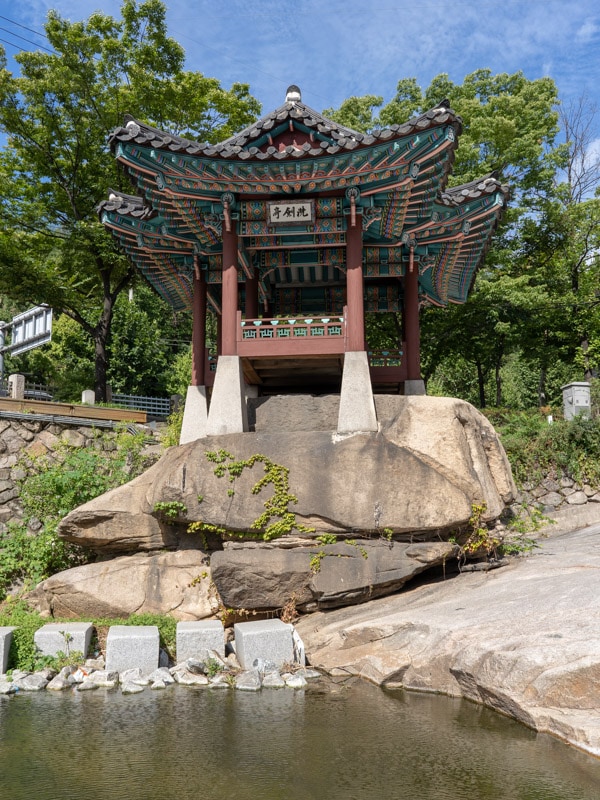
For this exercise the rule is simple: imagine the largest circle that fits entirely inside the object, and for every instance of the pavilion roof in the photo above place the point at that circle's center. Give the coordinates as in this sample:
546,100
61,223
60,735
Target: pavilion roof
401,174
254,142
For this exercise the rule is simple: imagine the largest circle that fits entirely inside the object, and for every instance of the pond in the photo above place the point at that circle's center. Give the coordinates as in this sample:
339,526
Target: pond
351,742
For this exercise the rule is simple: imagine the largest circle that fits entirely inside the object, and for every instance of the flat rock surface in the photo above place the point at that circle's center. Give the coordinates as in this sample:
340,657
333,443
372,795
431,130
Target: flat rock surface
524,639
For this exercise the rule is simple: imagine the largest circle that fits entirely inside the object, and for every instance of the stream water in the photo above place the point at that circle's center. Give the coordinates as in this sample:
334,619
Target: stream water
355,742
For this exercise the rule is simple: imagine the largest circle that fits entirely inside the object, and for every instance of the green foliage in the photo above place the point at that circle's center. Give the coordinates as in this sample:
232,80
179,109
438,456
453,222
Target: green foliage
277,519
327,538
479,542
180,373
387,533
315,561
172,433
213,667
536,449
23,654
31,557
22,650
57,113
52,489
170,510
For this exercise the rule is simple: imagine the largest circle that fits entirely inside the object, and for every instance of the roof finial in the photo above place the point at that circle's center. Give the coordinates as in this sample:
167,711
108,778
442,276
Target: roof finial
293,94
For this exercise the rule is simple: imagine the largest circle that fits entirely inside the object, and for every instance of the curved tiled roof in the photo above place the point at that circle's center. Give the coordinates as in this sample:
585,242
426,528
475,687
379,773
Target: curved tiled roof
328,137
127,204
457,195
403,184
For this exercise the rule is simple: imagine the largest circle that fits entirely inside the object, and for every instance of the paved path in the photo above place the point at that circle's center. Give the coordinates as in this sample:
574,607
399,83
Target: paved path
523,639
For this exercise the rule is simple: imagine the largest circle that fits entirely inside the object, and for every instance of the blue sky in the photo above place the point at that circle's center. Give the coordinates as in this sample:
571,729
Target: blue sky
336,48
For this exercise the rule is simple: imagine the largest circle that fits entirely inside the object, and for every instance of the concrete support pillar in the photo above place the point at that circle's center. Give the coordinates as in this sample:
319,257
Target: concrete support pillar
355,303
198,327
195,415
230,290
228,412
251,309
414,384
357,406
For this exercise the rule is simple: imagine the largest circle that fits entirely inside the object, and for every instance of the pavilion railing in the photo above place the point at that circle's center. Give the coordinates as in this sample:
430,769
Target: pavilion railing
385,358
292,328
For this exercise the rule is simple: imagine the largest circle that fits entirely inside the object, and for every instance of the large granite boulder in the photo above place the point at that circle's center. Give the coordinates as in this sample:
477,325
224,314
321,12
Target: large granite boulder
176,583
414,481
420,474
523,640
321,576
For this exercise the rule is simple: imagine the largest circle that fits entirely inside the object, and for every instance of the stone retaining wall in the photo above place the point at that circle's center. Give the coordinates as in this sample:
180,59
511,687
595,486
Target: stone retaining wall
553,494
33,437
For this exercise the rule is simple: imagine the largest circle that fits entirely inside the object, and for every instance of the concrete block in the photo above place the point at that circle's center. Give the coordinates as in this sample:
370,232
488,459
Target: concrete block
194,639
357,407
195,415
131,646
5,640
414,388
88,397
65,637
228,412
269,640
16,386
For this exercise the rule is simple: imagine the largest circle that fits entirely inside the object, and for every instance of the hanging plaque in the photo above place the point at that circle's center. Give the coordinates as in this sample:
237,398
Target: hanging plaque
290,212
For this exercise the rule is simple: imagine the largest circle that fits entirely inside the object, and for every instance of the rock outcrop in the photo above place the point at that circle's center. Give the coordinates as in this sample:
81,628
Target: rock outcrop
523,640
414,481
418,476
176,583
320,576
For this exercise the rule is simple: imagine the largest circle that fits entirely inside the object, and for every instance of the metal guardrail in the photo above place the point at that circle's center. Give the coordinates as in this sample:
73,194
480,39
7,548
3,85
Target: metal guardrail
155,406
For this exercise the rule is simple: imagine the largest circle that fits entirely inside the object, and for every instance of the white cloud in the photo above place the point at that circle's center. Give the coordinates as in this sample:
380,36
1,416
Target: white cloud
587,31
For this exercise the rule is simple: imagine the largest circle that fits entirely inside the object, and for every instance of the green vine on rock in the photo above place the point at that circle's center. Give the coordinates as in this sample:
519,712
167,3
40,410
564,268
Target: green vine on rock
170,510
277,519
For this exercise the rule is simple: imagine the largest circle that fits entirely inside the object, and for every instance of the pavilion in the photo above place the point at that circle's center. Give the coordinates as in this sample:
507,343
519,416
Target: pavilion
291,231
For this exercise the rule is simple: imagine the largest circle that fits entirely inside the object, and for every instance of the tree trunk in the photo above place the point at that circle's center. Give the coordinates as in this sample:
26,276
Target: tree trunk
587,367
498,386
101,334
481,384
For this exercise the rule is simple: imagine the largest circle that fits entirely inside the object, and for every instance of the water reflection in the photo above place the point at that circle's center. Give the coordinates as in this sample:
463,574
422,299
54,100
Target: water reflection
355,743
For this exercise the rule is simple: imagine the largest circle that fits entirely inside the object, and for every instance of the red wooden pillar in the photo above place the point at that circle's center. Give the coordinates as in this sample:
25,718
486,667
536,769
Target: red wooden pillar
251,309
198,327
412,330
229,305
355,304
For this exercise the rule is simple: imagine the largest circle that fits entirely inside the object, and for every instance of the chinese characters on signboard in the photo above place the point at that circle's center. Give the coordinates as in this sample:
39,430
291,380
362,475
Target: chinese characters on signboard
294,212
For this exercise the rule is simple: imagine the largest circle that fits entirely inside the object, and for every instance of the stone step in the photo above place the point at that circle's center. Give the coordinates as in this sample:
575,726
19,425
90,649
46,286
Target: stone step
64,637
263,643
131,646
196,638
5,641
266,641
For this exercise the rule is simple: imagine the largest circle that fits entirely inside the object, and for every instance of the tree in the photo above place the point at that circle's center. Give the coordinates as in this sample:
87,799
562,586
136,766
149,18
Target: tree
55,169
509,126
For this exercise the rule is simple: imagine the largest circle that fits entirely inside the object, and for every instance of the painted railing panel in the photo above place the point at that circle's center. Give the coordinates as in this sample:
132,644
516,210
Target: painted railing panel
387,366
290,336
